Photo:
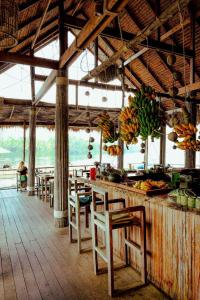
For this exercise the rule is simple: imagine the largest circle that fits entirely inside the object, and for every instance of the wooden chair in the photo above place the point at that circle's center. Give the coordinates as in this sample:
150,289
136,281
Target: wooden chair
108,221
79,199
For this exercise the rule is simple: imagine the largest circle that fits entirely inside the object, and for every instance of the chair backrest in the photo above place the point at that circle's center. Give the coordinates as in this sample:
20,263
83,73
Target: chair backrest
74,186
96,192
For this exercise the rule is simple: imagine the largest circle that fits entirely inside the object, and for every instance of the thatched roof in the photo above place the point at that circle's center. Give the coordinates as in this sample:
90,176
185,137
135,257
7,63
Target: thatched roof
16,112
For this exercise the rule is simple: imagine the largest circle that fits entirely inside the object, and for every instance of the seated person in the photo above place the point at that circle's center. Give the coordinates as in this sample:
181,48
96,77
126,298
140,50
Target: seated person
22,170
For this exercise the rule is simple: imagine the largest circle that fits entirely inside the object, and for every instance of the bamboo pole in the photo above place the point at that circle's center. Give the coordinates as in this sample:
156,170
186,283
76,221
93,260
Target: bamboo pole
190,155
24,142
32,138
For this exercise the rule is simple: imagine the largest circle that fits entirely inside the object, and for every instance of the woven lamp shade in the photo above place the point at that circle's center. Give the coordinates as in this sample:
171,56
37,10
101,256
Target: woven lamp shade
8,23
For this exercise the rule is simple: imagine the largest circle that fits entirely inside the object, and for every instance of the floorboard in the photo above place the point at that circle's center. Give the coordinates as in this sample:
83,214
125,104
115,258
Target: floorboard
38,262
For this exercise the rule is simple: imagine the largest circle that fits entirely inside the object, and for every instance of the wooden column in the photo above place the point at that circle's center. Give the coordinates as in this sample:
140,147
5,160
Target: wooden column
24,142
32,140
190,155
96,55
120,158
163,145
61,134
32,137
100,147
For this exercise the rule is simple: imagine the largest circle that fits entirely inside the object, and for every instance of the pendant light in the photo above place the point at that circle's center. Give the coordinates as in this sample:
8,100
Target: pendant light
8,23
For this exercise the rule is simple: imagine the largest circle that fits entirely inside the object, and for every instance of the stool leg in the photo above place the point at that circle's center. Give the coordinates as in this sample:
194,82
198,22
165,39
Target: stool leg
126,248
109,252
70,220
78,224
94,243
87,210
143,248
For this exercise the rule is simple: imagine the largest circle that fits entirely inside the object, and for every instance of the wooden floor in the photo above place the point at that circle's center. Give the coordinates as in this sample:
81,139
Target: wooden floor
37,261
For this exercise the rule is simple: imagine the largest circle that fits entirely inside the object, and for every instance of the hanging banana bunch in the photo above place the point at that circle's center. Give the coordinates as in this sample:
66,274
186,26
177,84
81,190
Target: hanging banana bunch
129,125
148,112
108,128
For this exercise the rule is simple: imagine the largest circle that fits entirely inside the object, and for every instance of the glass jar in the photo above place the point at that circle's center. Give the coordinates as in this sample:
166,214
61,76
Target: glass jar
184,200
197,204
178,198
191,202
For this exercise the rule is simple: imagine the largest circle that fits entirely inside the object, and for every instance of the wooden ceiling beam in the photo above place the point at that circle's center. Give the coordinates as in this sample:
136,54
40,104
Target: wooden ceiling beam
45,87
170,11
27,5
15,58
88,34
110,32
41,23
102,86
90,31
26,103
162,38
43,40
171,30
189,88
136,77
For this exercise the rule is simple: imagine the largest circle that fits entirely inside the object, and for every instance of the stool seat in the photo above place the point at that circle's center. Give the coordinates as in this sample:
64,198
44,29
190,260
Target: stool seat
85,200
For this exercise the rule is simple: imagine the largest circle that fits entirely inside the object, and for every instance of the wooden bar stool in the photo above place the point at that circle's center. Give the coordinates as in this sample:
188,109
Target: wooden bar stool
107,221
79,199
51,192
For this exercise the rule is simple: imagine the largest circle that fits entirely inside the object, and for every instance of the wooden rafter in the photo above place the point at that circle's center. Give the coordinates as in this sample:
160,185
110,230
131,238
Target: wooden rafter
47,3
189,88
128,72
80,116
12,112
90,31
28,60
170,11
102,86
135,55
163,37
109,32
179,27
88,34
42,41
45,87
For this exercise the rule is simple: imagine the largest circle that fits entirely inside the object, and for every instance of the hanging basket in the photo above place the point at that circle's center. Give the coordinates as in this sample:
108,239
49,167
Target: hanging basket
109,74
8,23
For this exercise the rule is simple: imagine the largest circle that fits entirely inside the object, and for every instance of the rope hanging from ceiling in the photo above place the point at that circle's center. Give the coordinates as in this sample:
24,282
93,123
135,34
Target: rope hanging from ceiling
8,23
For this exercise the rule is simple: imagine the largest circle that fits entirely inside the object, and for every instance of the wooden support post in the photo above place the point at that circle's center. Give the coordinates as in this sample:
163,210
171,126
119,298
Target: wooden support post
24,141
96,55
100,147
120,158
61,134
163,146
32,137
190,155
31,164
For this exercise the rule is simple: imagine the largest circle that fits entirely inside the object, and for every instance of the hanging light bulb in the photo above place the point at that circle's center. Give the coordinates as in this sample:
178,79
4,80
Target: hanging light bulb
104,99
87,93
8,23
87,130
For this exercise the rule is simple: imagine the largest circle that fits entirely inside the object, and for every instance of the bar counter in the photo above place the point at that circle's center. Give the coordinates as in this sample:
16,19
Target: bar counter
173,242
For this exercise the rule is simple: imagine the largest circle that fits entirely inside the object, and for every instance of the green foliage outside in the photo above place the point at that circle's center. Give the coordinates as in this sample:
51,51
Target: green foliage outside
45,150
